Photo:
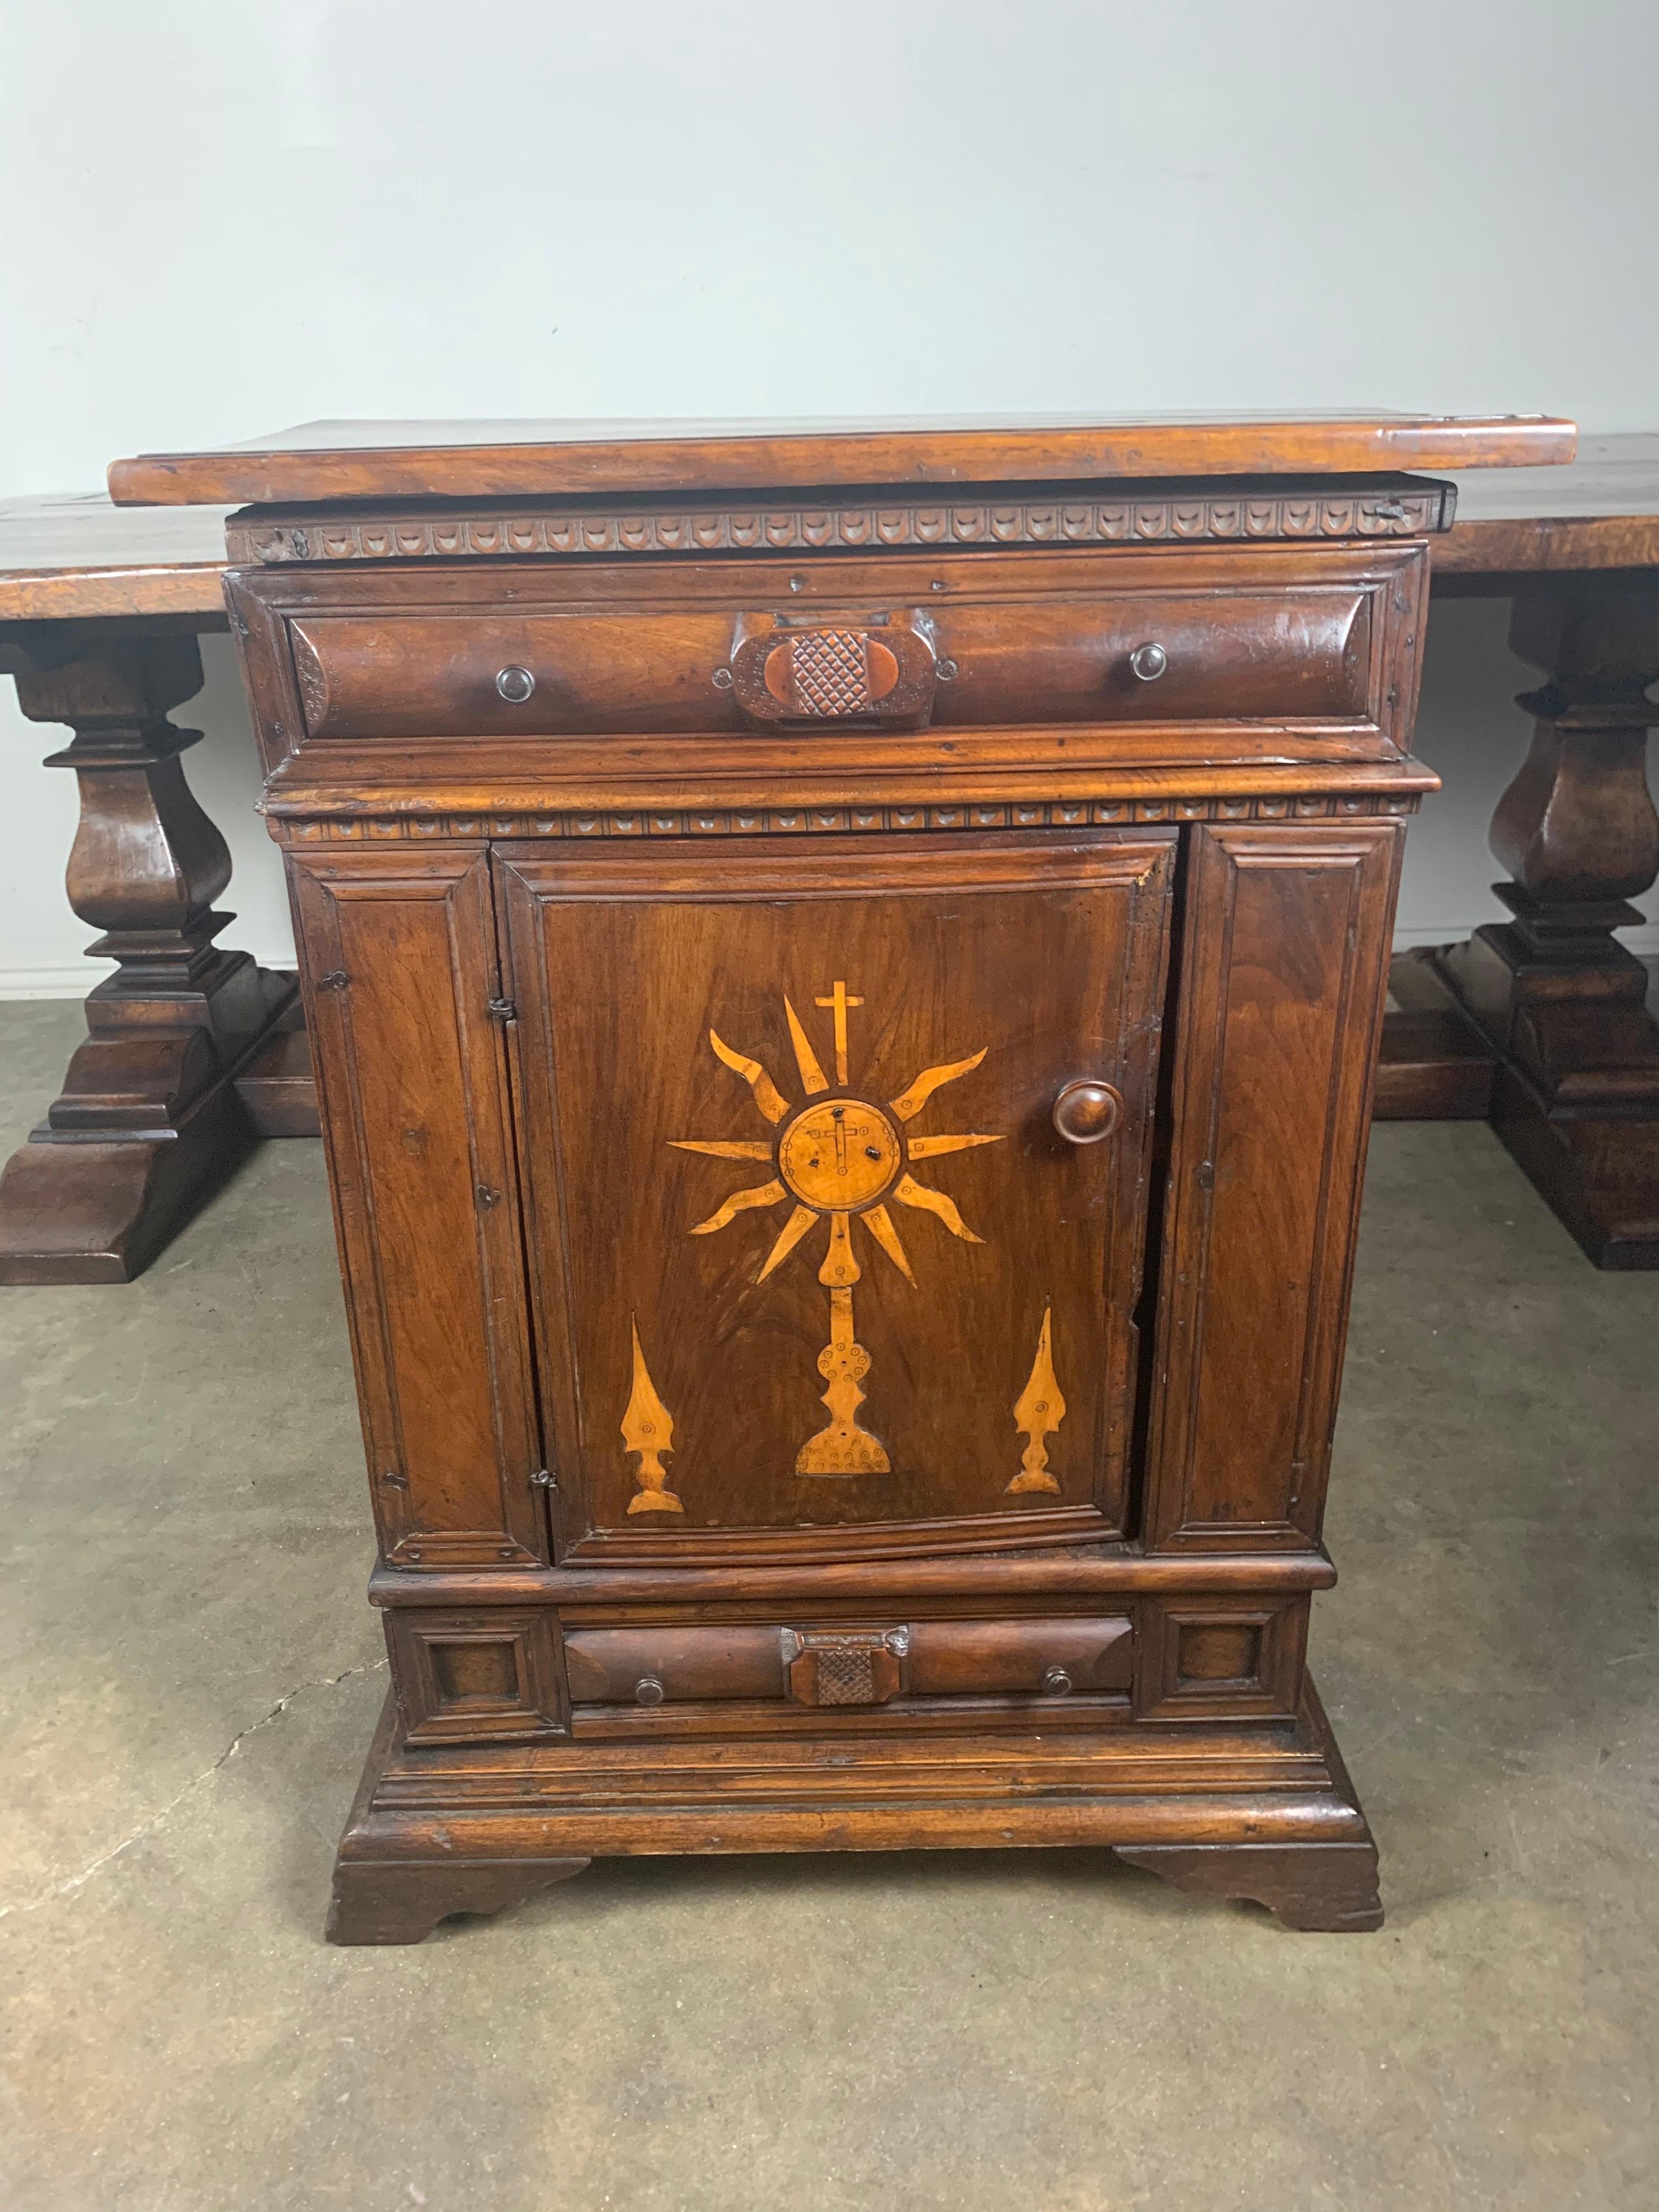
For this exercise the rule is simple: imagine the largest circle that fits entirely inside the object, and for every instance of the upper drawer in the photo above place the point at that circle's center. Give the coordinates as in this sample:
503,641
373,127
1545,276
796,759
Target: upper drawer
1301,638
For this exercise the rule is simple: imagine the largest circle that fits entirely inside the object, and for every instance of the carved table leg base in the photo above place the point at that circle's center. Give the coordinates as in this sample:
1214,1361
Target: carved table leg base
1576,1092
277,1084
1562,1004
1435,1065
147,1125
1600,1178
99,1207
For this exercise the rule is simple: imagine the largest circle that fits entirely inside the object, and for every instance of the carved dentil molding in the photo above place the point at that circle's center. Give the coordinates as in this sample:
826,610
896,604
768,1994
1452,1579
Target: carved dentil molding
358,829
263,539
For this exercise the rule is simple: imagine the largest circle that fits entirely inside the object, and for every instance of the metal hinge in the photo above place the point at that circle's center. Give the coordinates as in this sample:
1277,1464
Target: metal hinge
503,1010
336,980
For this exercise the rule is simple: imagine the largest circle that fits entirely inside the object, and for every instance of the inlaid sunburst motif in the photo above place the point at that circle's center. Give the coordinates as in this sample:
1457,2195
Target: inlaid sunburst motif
841,1158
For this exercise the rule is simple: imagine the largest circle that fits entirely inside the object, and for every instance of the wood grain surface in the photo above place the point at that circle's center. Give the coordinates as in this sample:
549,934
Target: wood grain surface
320,462
75,557
1037,959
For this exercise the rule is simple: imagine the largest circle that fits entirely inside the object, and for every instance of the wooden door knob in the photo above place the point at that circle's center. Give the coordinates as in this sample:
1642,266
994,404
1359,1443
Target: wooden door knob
1085,1111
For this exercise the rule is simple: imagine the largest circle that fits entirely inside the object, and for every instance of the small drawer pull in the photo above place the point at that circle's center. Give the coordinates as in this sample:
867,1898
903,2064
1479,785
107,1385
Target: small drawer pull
1149,662
791,671
1085,1111
846,1666
515,685
1056,1683
649,1690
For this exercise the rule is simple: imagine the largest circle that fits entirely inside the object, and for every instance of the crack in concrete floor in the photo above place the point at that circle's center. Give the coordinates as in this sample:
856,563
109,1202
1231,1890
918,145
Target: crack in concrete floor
69,1886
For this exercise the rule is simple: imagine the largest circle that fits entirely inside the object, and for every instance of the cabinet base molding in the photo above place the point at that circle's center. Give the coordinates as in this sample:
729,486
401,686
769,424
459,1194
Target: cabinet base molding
402,1900
1263,1812
1327,1889
1078,1571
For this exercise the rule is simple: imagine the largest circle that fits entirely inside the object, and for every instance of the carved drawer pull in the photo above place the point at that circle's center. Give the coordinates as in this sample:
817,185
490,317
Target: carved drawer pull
852,1666
1087,1111
789,671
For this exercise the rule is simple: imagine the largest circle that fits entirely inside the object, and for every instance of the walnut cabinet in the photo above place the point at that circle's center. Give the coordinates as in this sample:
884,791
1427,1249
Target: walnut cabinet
844,1024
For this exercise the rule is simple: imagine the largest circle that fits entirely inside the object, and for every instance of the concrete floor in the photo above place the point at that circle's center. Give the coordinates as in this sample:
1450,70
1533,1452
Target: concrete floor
190,1677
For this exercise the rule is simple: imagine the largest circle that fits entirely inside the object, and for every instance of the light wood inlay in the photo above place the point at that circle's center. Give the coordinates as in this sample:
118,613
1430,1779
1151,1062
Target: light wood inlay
1038,1412
839,1156
647,1428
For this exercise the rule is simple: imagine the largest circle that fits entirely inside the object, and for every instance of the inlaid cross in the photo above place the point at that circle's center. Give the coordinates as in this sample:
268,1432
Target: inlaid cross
841,1003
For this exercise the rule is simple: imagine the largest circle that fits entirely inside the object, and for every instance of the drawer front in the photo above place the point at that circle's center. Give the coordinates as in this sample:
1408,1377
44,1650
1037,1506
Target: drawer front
1300,655
645,1666
849,1664
457,675
1308,637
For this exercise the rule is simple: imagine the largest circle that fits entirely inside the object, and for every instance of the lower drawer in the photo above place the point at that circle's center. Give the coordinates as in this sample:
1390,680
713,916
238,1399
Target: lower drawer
852,1664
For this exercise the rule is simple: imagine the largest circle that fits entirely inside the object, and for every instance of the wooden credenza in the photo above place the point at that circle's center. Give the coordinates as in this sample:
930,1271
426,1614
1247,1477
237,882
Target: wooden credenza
845,967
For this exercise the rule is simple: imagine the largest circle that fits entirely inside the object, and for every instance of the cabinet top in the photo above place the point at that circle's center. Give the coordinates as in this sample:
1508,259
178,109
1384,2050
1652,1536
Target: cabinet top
320,463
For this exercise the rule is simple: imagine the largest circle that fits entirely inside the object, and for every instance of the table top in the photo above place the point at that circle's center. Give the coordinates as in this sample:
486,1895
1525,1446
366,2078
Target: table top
319,462
74,556
1601,512
80,558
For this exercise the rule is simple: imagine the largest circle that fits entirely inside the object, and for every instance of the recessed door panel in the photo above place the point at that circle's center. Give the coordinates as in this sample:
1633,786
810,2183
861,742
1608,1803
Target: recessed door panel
815,1270
399,948
1273,1059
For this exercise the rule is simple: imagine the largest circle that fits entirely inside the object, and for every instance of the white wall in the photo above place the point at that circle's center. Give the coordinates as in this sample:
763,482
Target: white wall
220,219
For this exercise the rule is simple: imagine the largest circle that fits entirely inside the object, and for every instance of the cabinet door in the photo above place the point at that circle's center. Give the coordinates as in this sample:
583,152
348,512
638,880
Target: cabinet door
400,951
817,1273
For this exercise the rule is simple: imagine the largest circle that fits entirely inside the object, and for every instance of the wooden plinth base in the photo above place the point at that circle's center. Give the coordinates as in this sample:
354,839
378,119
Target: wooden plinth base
1599,1176
98,1208
1576,1083
1435,1066
1265,1814
276,1084
1570,1093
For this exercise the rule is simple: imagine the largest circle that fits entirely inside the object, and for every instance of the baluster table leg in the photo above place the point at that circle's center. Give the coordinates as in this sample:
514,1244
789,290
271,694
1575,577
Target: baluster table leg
148,1124
1561,1003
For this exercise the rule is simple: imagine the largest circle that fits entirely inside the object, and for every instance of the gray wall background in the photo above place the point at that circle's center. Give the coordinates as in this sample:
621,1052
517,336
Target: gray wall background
220,219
